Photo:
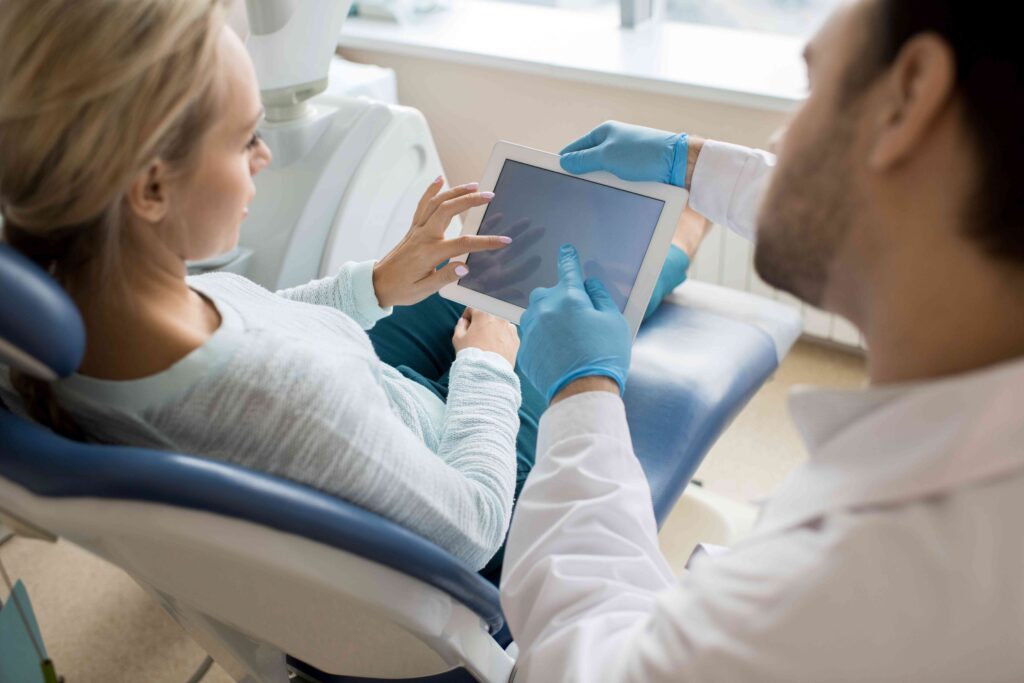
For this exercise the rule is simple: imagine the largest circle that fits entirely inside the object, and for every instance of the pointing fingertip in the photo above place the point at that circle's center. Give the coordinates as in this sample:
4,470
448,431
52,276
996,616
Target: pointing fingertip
487,195
438,179
505,240
461,271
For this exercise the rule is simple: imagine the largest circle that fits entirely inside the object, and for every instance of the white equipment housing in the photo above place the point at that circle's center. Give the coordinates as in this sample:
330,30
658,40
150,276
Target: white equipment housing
347,171
342,188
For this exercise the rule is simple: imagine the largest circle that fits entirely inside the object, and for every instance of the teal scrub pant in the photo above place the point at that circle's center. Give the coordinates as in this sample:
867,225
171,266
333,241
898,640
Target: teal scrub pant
417,341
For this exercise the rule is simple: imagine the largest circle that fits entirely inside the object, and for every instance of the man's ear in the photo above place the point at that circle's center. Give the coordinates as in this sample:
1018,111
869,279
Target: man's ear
918,89
147,196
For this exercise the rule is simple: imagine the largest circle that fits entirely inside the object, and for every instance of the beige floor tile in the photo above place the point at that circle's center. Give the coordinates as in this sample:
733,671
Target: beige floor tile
98,625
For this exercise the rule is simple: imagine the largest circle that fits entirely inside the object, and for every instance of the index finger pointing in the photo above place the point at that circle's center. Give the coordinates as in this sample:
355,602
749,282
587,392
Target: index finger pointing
569,270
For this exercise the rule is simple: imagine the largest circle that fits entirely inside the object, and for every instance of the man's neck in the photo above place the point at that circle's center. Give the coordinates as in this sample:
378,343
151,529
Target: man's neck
946,318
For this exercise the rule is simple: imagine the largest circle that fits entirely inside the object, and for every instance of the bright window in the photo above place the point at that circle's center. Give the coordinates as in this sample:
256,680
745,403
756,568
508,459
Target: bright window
794,17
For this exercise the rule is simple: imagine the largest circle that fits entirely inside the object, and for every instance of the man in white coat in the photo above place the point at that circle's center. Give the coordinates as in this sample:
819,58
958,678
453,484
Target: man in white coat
896,553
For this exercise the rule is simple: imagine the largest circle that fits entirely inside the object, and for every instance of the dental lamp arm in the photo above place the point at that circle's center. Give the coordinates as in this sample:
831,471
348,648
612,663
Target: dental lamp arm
291,43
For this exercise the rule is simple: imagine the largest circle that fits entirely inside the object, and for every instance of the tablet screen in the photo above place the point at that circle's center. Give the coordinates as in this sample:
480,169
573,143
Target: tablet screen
541,210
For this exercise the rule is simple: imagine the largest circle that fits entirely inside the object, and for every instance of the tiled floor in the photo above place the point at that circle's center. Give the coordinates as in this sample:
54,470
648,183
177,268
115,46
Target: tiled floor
101,628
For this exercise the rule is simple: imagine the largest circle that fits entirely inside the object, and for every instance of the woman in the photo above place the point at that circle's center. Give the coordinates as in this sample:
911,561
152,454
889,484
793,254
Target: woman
127,146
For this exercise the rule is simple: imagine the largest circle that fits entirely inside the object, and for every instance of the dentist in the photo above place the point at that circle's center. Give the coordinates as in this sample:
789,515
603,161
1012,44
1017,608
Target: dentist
895,553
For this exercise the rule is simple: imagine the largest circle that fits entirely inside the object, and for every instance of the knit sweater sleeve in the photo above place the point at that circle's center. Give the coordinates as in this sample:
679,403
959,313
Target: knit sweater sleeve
326,422
482,415
350,291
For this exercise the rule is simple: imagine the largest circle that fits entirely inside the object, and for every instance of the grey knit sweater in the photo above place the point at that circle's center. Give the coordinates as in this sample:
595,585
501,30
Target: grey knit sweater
290,384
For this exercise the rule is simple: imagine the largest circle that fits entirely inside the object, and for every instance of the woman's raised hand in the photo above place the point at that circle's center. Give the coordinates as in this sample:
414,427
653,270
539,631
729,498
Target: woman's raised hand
407,274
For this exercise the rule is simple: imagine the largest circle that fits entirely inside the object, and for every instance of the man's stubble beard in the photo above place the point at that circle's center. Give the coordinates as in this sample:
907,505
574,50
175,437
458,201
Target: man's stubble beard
806,214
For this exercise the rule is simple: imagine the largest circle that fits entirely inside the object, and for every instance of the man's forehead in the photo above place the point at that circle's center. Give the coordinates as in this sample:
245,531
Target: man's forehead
842,27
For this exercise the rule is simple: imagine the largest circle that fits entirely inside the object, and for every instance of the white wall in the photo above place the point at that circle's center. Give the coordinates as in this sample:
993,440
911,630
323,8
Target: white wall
470,108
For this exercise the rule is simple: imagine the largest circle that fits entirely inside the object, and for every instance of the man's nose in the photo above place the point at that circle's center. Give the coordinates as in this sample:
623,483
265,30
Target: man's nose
775,141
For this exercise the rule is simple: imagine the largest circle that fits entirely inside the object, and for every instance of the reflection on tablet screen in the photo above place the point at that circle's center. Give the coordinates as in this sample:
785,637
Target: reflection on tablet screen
541,210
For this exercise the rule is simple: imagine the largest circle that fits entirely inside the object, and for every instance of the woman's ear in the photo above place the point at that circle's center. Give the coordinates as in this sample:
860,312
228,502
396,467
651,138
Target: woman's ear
148,194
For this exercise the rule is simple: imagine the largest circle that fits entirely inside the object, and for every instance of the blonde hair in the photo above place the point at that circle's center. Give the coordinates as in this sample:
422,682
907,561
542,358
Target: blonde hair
91,93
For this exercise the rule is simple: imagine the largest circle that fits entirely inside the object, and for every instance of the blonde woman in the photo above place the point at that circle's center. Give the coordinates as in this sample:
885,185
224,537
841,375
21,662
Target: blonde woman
127,146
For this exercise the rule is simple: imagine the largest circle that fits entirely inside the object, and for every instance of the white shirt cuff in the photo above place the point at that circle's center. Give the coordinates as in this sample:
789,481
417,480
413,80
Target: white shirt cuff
727,184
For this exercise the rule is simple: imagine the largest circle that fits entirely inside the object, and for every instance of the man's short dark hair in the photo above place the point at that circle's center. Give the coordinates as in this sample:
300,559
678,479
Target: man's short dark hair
989,48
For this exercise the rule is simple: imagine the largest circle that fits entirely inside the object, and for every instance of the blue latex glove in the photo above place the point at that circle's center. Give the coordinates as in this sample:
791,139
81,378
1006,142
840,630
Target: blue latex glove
630,152
573,330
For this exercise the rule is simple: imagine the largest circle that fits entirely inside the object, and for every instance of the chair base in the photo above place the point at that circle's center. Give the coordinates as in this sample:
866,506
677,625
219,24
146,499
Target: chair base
310,674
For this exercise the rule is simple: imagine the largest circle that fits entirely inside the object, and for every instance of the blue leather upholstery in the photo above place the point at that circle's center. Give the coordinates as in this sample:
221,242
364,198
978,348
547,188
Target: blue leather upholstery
49,465
691,374
37,317
692,371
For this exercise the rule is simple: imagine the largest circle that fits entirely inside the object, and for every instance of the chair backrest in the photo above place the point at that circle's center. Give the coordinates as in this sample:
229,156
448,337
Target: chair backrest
246,562
41,331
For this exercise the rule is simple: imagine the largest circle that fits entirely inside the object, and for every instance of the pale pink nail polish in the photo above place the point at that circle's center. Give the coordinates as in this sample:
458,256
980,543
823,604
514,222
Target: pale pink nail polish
472,186
438,179
487,195
506,240
461,271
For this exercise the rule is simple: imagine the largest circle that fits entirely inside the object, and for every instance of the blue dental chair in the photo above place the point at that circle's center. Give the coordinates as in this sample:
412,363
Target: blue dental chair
275,579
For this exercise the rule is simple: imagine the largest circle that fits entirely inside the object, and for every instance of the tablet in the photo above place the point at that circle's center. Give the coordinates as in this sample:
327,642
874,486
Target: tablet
621,229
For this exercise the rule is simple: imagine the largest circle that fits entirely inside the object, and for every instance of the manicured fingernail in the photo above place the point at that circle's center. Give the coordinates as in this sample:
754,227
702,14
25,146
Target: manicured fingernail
506,240
472,186
487,195
438,179
461,271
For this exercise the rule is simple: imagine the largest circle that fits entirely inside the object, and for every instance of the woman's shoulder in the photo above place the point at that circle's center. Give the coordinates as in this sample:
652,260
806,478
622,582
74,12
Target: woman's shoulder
229,286
252,307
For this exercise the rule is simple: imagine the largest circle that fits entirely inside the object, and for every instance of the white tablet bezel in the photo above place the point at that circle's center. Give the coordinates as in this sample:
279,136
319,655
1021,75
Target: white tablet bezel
674,198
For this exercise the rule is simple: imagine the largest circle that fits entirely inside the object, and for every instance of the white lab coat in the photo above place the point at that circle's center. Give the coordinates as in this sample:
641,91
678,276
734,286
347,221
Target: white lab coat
896,553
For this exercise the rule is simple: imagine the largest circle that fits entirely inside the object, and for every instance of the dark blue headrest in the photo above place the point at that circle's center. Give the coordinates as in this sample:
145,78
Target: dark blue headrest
41,331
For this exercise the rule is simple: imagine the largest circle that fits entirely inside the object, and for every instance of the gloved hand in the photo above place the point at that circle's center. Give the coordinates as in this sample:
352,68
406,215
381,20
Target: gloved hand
573,330
630,152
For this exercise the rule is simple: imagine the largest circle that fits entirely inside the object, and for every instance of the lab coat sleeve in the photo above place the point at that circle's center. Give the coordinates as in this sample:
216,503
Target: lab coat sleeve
589,597
582,564
350,291
727,185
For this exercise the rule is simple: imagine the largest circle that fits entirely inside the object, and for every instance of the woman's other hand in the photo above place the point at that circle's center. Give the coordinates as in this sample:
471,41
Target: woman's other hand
407,274
480,330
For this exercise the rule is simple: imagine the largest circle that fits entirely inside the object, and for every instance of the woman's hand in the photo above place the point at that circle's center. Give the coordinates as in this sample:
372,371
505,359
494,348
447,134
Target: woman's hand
406,275
480,330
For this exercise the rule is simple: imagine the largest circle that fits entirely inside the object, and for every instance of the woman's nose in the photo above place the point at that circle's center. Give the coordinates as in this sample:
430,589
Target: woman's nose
261,159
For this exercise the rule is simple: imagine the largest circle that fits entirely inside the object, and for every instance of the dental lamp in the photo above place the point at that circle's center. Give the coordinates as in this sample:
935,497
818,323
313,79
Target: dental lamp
347,172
